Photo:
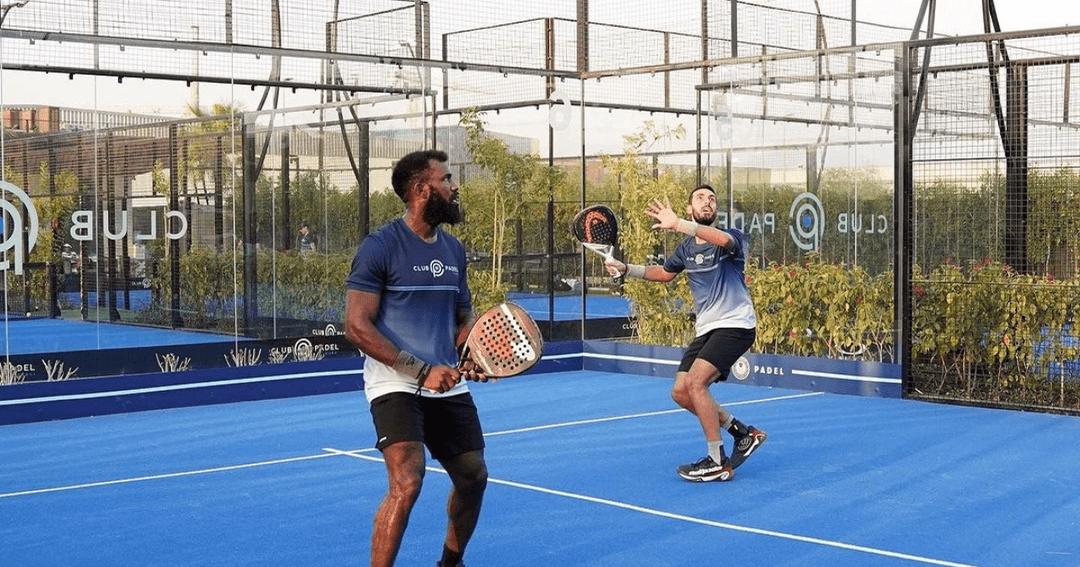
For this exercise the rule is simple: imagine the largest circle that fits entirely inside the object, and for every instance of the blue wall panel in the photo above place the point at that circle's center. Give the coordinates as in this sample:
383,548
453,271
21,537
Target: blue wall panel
799,373
47,400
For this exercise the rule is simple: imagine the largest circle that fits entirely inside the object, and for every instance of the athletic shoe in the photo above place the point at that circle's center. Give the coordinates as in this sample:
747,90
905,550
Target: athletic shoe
705,470
745,446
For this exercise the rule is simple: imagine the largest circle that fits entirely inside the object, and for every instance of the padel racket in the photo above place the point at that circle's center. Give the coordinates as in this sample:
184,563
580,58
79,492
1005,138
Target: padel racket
505,341
597,229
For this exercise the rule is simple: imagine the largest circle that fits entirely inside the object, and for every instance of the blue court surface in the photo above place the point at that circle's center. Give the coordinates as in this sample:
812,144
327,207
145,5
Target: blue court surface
28,336
569,307
34,335
582,474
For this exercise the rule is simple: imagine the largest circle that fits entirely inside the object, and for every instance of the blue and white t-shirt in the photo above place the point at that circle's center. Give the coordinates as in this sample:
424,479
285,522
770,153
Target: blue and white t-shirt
422,287
717,282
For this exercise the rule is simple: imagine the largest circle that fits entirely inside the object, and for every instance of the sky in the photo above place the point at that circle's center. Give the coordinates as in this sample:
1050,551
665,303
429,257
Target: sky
964,17
954,17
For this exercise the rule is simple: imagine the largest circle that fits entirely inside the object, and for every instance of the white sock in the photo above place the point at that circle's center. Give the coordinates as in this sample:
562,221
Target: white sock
716,451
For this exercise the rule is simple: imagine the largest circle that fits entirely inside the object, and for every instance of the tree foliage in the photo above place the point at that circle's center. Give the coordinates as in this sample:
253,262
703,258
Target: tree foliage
497,206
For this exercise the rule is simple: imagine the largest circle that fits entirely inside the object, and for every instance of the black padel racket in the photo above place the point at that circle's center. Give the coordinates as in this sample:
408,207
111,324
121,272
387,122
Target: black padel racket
597,229
505,341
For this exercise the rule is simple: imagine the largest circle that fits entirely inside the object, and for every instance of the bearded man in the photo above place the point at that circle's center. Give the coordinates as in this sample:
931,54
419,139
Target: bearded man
408,310
725,326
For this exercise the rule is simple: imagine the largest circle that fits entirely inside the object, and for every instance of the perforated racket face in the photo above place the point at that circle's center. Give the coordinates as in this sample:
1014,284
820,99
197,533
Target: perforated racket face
505,341
596,225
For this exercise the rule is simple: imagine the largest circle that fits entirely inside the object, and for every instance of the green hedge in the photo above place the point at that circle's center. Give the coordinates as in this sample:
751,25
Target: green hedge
986,332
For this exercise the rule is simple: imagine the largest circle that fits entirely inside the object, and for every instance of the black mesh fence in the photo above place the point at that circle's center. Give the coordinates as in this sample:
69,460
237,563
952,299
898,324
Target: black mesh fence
995,219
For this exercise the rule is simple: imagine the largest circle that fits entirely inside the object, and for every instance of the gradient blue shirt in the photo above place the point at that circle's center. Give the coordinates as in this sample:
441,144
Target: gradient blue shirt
717,282
422,287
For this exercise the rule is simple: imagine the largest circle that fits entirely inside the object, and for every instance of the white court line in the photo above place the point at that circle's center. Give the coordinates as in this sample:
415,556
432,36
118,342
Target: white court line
162,476
836,376
323,455
631,358
175,387
683,518
637,415
359,454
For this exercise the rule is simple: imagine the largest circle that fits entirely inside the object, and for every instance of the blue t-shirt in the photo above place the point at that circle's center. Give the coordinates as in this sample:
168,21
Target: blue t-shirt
717,282
422,288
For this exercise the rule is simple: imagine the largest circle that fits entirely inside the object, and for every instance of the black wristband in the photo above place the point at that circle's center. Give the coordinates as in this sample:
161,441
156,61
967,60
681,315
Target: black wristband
422,375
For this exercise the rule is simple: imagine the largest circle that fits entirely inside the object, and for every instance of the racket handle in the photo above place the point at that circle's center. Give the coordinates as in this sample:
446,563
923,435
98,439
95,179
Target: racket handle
617,279
463,354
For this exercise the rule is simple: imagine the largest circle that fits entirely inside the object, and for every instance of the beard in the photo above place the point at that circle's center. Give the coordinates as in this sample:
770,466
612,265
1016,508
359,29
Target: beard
439,210
706,220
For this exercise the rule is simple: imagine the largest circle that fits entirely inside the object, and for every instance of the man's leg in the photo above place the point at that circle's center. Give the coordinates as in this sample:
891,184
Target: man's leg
720,350
405,470
691,392
469,475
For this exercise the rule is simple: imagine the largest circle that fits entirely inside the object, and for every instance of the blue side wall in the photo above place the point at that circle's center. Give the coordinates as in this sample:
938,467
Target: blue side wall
798,373
48,400
42,401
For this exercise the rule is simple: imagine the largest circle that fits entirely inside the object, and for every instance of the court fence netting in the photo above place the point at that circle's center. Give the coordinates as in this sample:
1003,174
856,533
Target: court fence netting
910,198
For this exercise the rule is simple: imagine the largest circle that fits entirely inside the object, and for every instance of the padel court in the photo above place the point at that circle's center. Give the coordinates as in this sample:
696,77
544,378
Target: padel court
29,336
35,335
581,473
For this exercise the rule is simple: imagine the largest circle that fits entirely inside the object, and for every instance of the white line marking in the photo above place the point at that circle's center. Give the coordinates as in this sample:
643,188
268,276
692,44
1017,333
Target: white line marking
322,455
690,519
637,415
630,358
189,386
846,376
793,371
163,476
359,454
562,356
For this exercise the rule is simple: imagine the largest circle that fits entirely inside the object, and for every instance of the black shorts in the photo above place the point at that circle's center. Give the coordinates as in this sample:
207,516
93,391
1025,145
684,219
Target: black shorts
720,347
447,426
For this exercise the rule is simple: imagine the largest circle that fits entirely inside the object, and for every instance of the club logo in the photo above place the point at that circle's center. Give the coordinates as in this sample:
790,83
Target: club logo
14,228
807,221
741,369
304,350
437,268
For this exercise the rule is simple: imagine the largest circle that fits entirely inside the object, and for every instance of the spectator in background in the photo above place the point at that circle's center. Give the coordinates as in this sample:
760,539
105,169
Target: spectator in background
69,260
305,240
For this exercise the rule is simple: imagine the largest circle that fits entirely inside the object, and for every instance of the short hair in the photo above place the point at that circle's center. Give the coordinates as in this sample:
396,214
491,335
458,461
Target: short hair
690,197
413,164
